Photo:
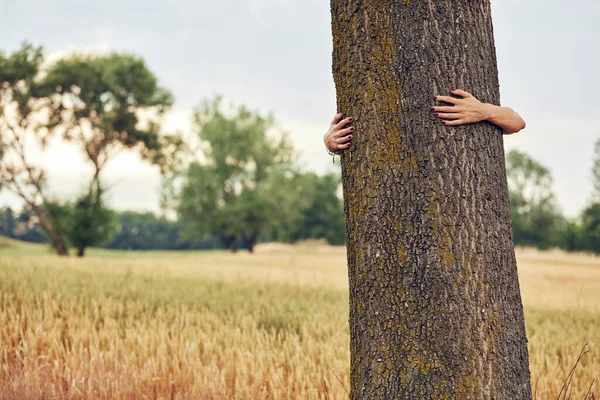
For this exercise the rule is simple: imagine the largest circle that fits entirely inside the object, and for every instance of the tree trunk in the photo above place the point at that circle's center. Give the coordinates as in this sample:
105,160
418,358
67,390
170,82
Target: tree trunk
231,243
435,306
250,243
80,251
57,240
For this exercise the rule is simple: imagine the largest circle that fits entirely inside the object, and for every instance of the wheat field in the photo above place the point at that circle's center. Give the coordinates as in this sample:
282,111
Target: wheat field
215,325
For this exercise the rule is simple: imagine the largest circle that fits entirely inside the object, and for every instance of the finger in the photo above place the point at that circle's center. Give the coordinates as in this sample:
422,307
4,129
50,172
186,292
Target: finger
344,146
343,122
454,122
445,109
344,132
447,99
448,115
337,118
344,139
461,93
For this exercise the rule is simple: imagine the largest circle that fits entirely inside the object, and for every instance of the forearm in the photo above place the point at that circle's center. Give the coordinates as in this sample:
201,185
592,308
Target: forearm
504,117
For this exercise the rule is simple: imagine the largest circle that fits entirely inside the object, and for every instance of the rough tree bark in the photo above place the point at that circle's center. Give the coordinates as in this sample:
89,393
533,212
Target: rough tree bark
435,306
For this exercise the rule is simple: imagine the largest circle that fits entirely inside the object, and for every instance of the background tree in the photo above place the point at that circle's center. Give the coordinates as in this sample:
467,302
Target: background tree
22,225
92,223
535,215
27,119
144,231
435,307
84,222
589,235
103,103
573,239
109,103
318,211
8,222
586,236
237,189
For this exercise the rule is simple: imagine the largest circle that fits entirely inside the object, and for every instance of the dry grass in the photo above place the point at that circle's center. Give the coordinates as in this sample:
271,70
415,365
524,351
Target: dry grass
220,326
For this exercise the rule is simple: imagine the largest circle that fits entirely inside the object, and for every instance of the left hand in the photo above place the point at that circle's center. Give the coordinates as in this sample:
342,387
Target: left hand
466,110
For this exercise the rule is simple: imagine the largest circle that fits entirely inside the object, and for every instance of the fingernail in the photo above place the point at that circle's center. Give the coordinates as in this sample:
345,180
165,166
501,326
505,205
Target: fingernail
437,114
353,128
435,98
350,136
452,90
350,119
432,109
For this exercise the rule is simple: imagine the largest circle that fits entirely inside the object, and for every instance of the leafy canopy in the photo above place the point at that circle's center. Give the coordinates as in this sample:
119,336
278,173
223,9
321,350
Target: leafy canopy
110,102
236,189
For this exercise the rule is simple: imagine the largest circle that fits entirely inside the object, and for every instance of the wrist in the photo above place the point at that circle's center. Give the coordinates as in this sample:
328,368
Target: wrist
332,152
490,112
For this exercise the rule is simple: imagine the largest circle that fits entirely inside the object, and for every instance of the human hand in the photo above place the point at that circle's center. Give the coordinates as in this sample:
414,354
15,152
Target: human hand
338,137
466,110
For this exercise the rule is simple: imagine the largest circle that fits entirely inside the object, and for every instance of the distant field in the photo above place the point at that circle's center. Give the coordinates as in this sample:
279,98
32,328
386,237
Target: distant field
214,325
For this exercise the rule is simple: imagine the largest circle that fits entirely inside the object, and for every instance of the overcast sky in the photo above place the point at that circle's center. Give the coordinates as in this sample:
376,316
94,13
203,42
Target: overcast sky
275,55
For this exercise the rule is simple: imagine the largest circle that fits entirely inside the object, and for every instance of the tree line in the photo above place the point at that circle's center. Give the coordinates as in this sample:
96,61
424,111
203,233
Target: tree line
537,219
236,181
132,230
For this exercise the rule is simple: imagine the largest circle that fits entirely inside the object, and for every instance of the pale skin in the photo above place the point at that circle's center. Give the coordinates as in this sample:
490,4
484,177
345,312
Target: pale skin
464,110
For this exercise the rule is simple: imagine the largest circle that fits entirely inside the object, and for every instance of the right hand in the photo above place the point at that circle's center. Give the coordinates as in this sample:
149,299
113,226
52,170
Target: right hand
338,137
